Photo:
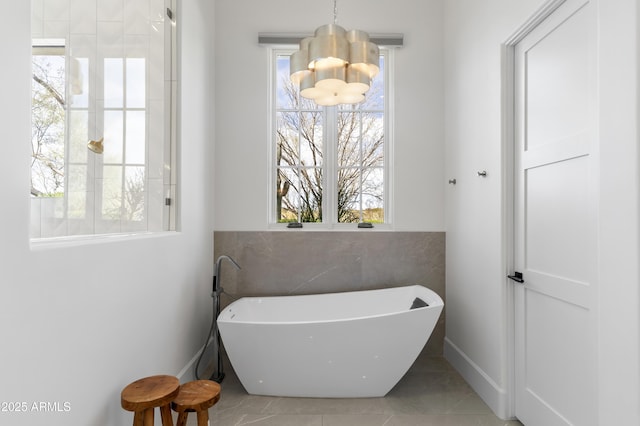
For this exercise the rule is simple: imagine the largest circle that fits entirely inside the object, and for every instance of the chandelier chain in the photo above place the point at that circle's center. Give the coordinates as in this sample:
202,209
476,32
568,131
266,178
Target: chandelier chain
335,12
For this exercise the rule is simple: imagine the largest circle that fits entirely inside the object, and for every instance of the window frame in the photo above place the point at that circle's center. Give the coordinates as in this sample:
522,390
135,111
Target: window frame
330,161
158,192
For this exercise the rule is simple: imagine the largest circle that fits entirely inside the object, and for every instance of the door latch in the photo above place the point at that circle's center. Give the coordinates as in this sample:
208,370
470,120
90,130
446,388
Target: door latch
517,277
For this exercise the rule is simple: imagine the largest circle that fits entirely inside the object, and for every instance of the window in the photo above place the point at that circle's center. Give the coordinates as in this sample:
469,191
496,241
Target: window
48,118
106,86
330,164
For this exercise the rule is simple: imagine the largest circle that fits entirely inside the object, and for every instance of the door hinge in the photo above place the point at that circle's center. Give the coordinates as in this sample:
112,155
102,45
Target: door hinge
517,277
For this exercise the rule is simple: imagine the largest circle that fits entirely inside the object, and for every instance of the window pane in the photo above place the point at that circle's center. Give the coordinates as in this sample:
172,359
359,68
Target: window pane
77,191
286,92
287,197
77,204
136,86
362,195
112,192
134,194
373,139
48,113
113,128
78,135
288,144
77,178
135,138
350,212
373,196
349,139
299,138
311,138
374,99
348,195
113,83
299,194
311,194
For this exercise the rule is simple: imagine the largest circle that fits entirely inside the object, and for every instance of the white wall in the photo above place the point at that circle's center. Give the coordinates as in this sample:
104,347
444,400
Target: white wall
79,322
476,340
619,242
476,313
242,135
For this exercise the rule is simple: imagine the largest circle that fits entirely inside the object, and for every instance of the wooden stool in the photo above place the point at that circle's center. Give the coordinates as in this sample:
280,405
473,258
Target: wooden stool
198,396
144,395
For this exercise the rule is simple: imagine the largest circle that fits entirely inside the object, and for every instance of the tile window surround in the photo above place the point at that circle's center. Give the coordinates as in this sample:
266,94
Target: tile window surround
290,263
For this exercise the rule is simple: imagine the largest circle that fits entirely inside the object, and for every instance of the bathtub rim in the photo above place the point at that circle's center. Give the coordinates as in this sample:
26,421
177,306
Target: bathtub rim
436,303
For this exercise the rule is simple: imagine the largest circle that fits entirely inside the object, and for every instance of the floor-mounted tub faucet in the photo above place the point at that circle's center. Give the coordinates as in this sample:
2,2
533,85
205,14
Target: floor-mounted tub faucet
217,288
214,334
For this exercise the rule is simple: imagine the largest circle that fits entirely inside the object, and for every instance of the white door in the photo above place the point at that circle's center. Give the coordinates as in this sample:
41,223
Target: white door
554,219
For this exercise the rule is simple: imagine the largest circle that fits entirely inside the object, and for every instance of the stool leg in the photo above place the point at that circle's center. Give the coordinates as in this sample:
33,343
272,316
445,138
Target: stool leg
138,418
148,417
165,414
182,418
203,418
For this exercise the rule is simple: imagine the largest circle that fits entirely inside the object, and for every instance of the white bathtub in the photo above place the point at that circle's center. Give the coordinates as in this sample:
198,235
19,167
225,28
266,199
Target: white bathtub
338,345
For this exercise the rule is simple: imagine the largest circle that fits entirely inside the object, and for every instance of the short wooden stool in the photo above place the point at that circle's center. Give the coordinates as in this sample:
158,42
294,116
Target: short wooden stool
198,396
144,395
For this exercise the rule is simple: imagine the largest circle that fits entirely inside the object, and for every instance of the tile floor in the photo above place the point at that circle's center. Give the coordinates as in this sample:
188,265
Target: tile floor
431,393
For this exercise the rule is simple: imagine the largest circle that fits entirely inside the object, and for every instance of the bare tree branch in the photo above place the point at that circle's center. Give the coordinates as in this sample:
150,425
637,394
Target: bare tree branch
50,89
360,148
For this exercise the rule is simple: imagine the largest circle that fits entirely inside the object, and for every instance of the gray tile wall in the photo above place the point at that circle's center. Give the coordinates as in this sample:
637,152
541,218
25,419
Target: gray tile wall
284,263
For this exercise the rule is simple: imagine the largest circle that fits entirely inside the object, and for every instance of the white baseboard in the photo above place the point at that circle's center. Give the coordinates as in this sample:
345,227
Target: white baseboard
187,373
493,395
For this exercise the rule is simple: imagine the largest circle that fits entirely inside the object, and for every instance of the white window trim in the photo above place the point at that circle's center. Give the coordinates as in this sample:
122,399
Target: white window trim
330,210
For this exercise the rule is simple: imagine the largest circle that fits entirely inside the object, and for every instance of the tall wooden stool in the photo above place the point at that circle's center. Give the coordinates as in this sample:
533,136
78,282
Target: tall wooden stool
198,396
144,395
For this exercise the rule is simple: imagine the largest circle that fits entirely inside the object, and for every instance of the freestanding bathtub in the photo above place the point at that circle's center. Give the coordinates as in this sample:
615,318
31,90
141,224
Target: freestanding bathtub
338,345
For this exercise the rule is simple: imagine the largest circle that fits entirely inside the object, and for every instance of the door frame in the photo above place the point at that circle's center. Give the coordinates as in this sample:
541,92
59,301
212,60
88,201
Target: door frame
508,100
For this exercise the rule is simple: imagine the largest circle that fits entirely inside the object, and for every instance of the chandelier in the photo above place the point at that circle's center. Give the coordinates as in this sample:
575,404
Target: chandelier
335,66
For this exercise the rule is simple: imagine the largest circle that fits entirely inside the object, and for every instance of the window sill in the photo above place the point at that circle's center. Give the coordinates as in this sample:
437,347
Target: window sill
340,227
84,240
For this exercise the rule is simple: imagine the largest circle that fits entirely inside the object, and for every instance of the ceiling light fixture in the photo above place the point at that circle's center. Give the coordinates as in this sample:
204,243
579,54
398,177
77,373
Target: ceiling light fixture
335,66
